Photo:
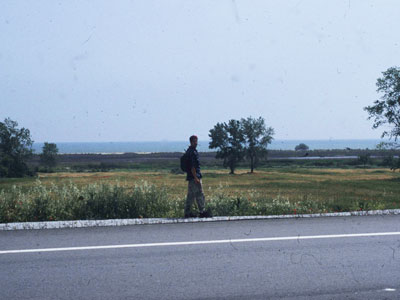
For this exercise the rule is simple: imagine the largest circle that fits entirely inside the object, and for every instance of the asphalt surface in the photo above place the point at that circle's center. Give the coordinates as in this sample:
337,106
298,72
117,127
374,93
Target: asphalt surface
329,268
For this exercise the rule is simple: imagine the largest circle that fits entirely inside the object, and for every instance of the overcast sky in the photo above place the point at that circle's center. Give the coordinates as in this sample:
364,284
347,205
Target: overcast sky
163,70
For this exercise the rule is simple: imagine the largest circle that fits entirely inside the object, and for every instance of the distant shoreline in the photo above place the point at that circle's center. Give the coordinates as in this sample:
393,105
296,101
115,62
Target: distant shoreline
109,148
209,158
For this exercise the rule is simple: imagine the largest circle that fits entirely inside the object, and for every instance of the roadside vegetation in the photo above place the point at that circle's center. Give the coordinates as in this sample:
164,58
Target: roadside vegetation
143,194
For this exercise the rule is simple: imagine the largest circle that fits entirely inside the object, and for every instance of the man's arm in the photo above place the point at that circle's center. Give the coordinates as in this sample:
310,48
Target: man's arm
195,175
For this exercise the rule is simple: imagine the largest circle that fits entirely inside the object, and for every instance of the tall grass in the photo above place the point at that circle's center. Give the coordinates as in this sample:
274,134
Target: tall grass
93,201
253,202
69,201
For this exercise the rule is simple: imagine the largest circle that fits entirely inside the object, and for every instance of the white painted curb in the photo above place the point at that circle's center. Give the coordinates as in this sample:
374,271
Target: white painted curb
148,221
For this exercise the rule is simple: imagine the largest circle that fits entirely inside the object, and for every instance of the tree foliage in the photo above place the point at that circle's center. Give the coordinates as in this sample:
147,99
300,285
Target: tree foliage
15,149
237,140
386,111
48,158
228,139
257,137
301,147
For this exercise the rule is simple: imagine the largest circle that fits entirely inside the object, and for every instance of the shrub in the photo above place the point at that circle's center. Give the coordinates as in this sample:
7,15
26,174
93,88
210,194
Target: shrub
364,159
301,147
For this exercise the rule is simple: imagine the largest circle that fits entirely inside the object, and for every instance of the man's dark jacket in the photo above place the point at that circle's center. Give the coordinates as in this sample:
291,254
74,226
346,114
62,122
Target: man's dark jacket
193,162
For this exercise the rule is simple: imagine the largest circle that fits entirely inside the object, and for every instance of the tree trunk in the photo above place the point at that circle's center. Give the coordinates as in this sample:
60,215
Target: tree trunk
252,163
232,167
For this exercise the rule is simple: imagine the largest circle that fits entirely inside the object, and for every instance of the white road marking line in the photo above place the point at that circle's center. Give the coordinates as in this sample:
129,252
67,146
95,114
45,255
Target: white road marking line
389,290
269,239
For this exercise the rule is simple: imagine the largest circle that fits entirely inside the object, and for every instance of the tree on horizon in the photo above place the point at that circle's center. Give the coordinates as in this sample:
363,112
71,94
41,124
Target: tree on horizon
256,137
228,139
301,147
48,157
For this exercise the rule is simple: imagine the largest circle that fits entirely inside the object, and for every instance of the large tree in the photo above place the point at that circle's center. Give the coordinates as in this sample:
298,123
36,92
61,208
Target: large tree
386,111
228,139
48,158
15,149
256,139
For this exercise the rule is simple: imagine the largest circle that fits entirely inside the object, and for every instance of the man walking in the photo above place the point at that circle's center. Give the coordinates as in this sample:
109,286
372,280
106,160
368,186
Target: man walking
193,176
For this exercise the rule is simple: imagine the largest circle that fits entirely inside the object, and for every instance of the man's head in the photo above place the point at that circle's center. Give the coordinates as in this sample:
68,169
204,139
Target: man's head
193,141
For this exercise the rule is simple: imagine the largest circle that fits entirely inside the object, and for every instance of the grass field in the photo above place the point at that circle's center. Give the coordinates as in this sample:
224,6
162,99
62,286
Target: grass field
292,189
293,183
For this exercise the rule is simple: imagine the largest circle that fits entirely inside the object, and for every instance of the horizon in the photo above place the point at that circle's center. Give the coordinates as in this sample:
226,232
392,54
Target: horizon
203,146
184,141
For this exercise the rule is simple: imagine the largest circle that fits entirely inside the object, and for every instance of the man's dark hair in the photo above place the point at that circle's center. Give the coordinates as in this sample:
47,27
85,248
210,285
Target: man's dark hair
192,138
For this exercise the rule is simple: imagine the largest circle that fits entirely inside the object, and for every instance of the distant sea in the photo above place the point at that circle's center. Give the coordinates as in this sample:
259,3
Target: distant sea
180,146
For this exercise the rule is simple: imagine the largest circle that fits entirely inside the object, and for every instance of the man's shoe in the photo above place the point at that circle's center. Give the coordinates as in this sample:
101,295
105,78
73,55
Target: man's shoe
206,214
190,215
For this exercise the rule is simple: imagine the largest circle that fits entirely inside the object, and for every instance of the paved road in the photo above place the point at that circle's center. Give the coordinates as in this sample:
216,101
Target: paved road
317,268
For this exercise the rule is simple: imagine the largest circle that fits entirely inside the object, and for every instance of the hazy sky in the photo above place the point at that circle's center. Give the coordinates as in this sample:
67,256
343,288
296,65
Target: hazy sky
163,70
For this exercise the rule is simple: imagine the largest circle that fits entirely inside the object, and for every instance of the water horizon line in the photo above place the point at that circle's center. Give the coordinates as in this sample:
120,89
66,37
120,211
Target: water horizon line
200,140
